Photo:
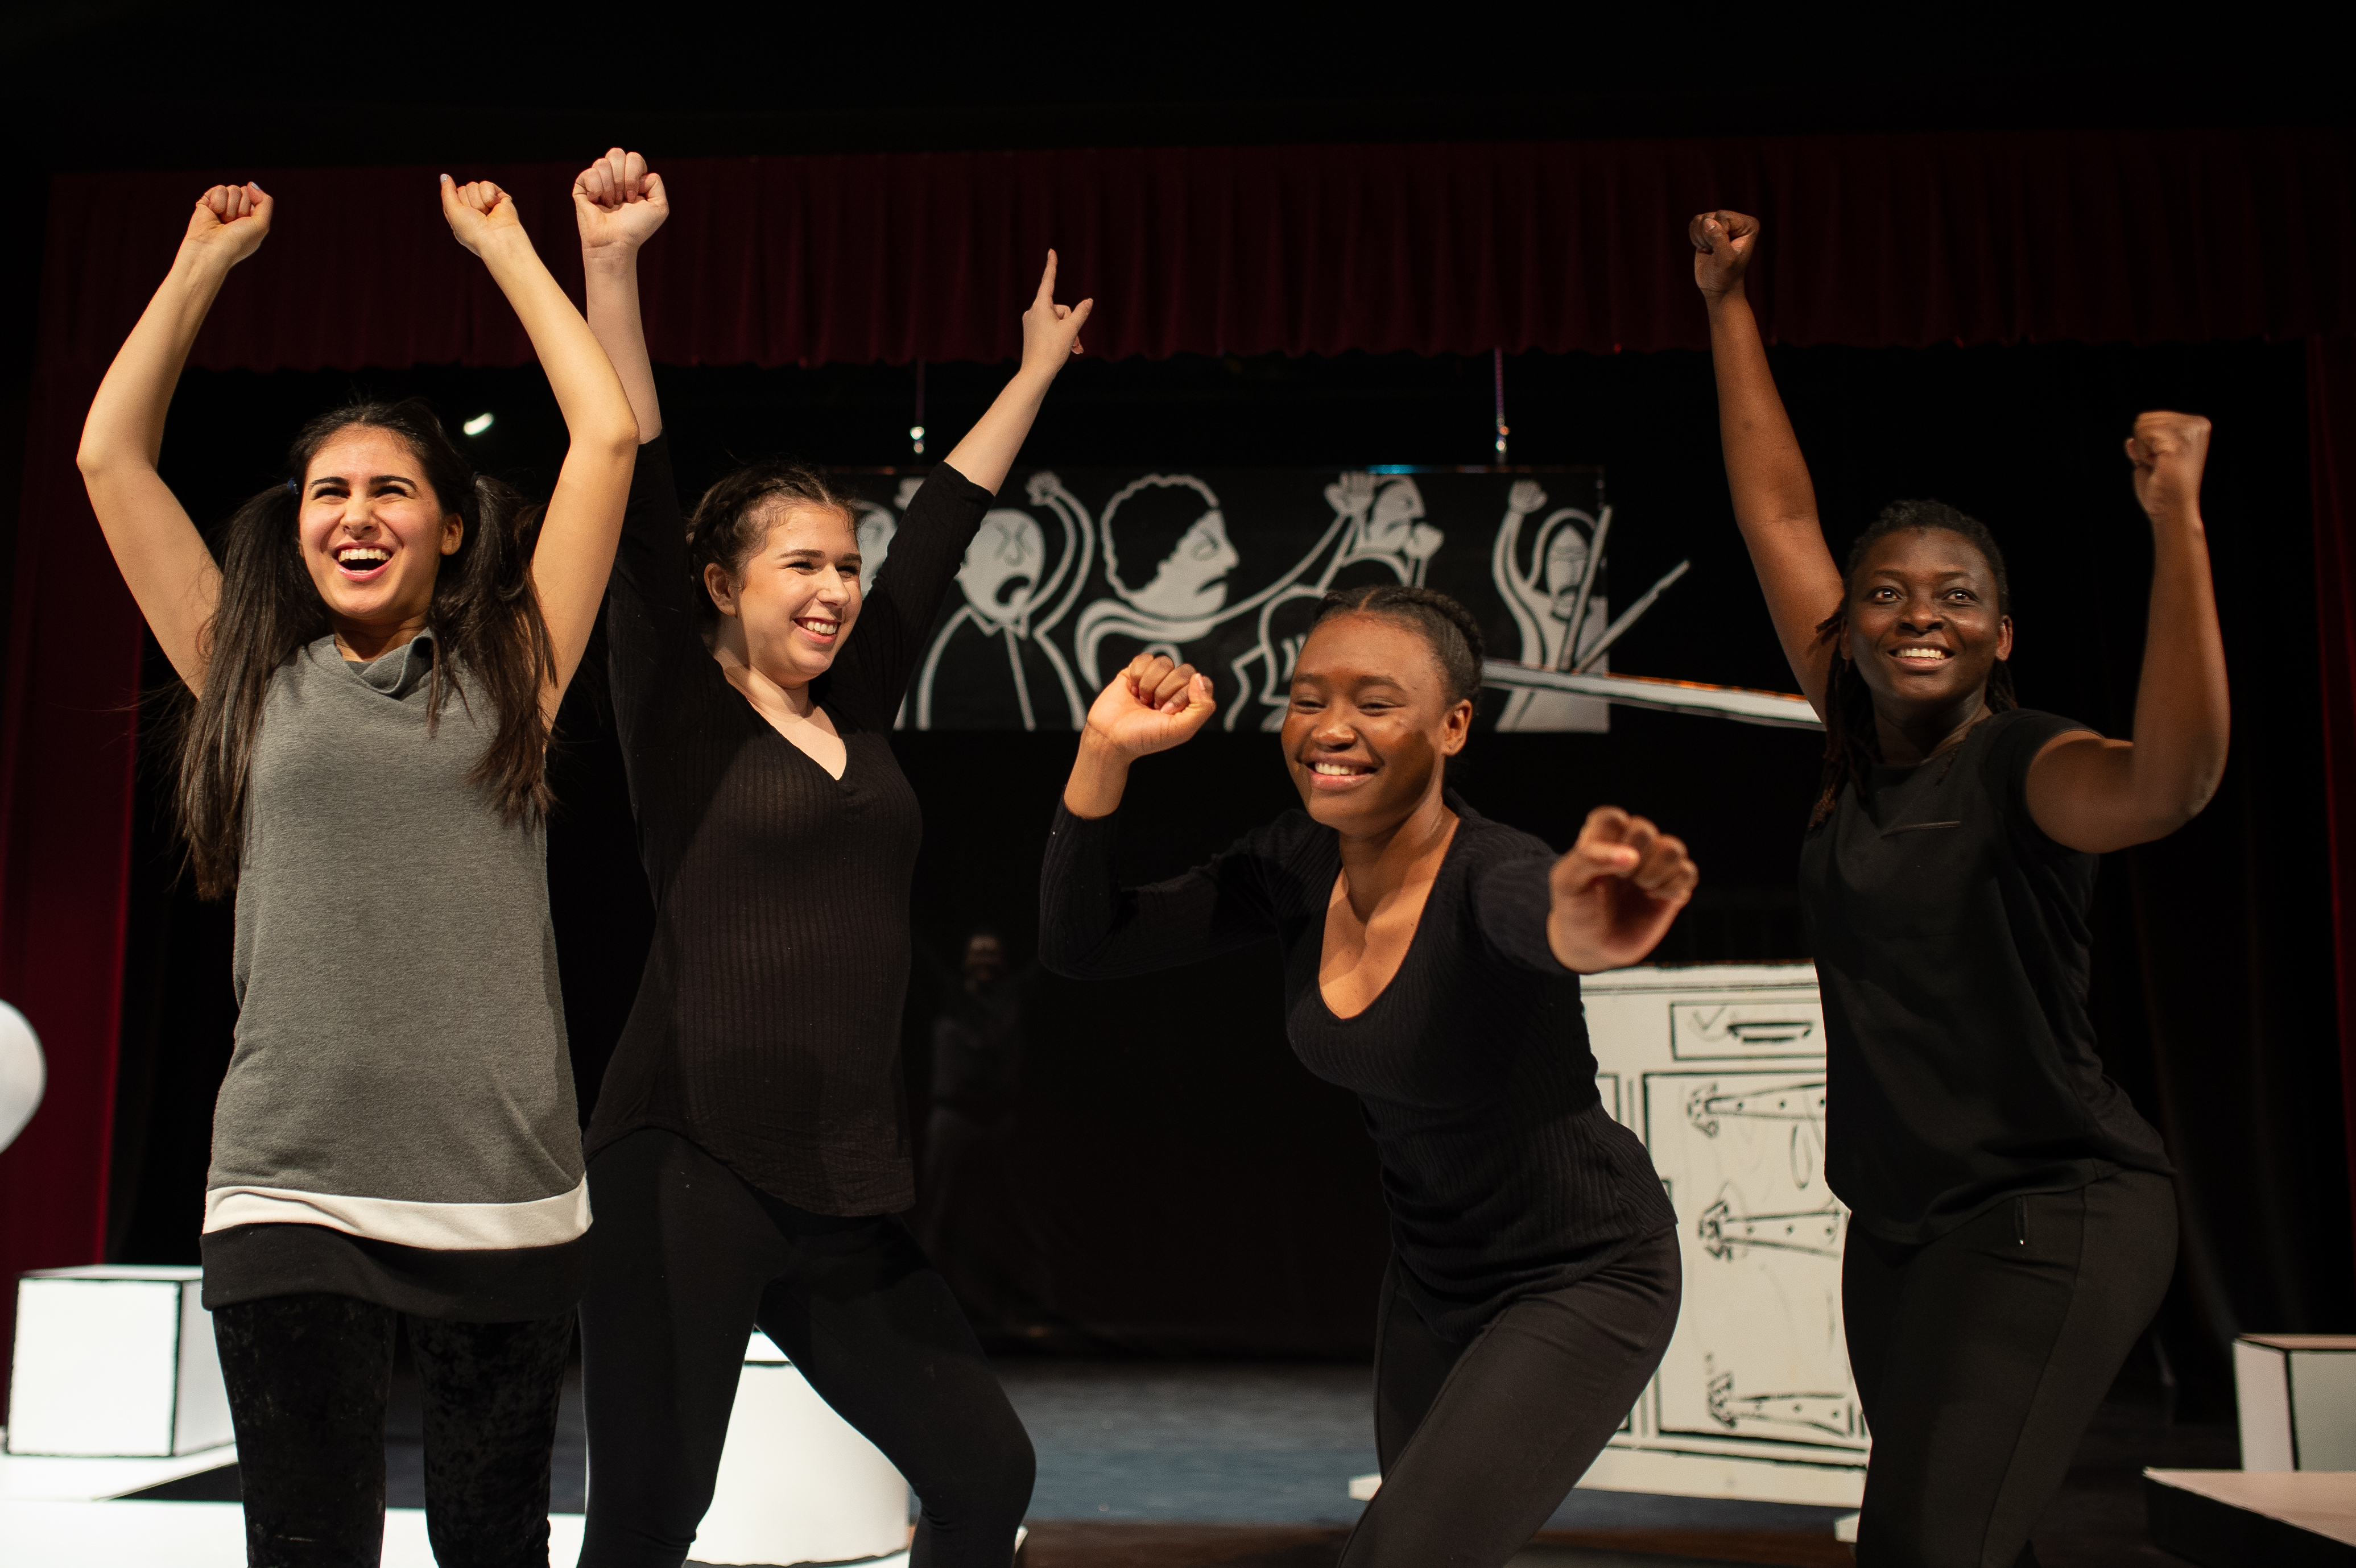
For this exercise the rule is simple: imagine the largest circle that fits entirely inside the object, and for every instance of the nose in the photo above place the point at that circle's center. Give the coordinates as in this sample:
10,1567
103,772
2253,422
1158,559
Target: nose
1334,732
1920,615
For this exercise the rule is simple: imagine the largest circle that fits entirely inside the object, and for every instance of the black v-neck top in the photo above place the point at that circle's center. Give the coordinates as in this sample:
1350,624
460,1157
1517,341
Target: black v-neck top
1503,1173
766,1028
1952,944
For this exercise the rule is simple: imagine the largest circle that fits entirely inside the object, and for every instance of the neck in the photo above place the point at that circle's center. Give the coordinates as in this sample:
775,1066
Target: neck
761,687
1909,738
368,640
1375,865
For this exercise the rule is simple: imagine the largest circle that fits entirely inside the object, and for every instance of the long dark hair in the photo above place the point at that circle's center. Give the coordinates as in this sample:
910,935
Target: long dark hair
491,642
1448,626
1852,748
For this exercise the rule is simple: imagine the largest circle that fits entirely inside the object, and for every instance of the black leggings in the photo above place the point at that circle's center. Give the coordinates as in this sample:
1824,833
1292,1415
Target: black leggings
687,1259
1981,1357
1481,1442
308,1377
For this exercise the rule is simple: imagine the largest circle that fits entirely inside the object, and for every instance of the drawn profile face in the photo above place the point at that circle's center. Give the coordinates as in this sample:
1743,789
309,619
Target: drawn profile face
1002,565
1565,568
876,527
1174,522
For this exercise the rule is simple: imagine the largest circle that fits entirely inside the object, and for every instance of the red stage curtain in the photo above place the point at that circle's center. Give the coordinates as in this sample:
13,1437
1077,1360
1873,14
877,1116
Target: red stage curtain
1887,240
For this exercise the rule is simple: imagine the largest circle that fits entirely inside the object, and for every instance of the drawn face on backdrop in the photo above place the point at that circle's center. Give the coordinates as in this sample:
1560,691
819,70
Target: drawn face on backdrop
1003,565
876,527
1171,525
371,530
1396,525
1565,568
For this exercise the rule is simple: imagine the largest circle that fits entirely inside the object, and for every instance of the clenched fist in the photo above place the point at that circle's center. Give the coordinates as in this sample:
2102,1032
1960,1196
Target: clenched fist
2168,450
1616,892
1150,706
1722,242
230,221
618,202
478,212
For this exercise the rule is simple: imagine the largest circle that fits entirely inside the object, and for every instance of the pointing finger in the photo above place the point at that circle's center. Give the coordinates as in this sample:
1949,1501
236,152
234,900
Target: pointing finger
1048,281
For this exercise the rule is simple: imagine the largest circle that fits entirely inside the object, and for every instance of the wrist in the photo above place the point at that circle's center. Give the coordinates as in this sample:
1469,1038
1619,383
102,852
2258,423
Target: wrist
1720,299
616,258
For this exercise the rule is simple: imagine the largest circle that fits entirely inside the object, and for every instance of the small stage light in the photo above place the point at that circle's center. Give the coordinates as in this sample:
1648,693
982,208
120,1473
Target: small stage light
477,425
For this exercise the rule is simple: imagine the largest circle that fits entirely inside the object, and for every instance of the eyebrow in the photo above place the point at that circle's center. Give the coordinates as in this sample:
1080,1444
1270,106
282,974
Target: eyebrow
371,479
811,553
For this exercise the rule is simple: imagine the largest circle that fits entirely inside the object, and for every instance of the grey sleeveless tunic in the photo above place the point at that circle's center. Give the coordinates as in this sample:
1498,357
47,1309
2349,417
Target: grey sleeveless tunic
398,1119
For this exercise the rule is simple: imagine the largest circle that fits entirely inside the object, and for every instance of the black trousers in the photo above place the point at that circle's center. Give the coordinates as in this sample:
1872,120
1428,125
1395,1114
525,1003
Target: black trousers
687,1259
1982,1355
1480,1443
308,1377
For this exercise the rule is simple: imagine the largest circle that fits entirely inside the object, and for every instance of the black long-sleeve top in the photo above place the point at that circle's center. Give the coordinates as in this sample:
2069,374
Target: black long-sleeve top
1502,1171
766,1028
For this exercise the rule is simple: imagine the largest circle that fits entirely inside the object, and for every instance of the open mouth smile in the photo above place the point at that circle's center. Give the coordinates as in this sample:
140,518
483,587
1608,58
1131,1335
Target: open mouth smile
1328,774
362,563
820,628
1922,656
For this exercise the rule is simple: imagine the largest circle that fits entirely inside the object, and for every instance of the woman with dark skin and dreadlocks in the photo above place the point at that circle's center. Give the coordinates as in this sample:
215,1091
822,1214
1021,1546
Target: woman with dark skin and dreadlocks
1431,962
2013,1224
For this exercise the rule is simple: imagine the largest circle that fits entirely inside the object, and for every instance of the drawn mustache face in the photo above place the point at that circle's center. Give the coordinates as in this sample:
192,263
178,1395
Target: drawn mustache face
1566,567
1003,564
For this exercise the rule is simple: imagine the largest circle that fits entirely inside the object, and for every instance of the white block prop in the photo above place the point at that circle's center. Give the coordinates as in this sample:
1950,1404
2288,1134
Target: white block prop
114,1362
797,1483
2296,1395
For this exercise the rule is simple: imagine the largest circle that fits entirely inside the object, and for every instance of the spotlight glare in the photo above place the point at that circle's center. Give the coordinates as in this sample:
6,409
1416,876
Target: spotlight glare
477,425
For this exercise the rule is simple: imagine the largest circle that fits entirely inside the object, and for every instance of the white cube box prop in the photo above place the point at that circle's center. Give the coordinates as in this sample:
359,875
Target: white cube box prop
2296,1395
797,1483
114,1362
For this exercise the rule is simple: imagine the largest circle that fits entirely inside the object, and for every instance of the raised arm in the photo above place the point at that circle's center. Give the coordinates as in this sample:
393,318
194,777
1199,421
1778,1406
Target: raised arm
575,552
1775,503
2096,795
620,203
1051,336
164,561
1150,706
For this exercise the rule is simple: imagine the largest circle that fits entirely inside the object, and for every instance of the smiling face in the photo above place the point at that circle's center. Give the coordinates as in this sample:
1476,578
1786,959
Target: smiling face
372,531
1925,624
793,600
1370,724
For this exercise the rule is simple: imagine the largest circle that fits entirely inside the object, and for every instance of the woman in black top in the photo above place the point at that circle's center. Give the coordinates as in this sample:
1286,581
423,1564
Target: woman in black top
749,1144
2012,1227
1431,962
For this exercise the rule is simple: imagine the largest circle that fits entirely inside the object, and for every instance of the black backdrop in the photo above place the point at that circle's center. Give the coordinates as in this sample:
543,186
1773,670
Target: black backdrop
1179,1184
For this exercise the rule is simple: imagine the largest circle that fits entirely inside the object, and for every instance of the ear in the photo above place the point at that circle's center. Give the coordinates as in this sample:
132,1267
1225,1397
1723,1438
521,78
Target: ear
2004,639
721,586
454,533
1455,728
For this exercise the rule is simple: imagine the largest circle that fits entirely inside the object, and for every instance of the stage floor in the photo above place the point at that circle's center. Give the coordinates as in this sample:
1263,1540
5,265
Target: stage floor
1190,1465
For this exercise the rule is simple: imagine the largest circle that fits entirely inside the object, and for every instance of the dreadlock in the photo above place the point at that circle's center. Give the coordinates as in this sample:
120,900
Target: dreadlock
1851,747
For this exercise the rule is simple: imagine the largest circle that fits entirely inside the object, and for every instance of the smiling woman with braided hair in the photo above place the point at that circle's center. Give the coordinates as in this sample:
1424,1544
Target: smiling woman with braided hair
1432,963
2013,1226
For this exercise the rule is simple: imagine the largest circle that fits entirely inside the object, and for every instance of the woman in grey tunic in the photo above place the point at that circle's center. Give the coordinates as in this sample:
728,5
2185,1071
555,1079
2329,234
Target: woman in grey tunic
373,666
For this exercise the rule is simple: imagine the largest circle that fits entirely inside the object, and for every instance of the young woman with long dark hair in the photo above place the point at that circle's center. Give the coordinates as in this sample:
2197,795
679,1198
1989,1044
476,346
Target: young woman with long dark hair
1432,965
2012,1223
373,668
749,1149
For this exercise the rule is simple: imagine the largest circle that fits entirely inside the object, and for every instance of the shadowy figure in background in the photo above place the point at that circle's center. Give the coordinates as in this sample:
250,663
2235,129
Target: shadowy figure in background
969,1219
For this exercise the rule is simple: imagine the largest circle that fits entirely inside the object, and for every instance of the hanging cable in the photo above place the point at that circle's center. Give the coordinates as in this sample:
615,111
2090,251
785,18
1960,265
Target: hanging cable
917,430
1497,361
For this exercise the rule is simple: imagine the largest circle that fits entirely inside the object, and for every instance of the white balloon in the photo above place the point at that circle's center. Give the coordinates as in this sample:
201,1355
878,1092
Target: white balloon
23,1075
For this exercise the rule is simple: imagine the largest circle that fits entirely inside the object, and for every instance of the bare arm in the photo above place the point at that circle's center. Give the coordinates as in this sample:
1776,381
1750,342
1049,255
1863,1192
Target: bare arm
619,204
171,574
1051,335
575,553
2095,794
1774,502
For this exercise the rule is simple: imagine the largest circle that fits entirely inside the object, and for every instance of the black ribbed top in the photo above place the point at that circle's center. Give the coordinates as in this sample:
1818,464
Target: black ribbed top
766,1028
1503,1173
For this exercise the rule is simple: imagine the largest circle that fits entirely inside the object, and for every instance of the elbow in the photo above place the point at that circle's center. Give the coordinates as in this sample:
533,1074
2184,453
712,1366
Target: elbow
96,459
618,435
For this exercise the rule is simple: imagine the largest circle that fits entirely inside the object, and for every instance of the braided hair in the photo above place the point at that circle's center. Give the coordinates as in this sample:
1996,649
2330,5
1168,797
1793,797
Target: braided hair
1449,627
1851,747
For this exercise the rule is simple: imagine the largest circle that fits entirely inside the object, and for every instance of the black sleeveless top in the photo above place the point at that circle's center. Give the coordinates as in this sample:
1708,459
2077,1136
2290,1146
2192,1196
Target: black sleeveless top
1952,944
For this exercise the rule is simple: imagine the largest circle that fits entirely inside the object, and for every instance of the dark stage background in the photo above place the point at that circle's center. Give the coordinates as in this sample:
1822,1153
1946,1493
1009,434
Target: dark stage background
1177,1184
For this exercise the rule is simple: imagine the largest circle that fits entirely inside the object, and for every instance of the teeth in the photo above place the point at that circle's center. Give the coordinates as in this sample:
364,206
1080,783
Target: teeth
367,553
1335,770
824,627
1922,653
